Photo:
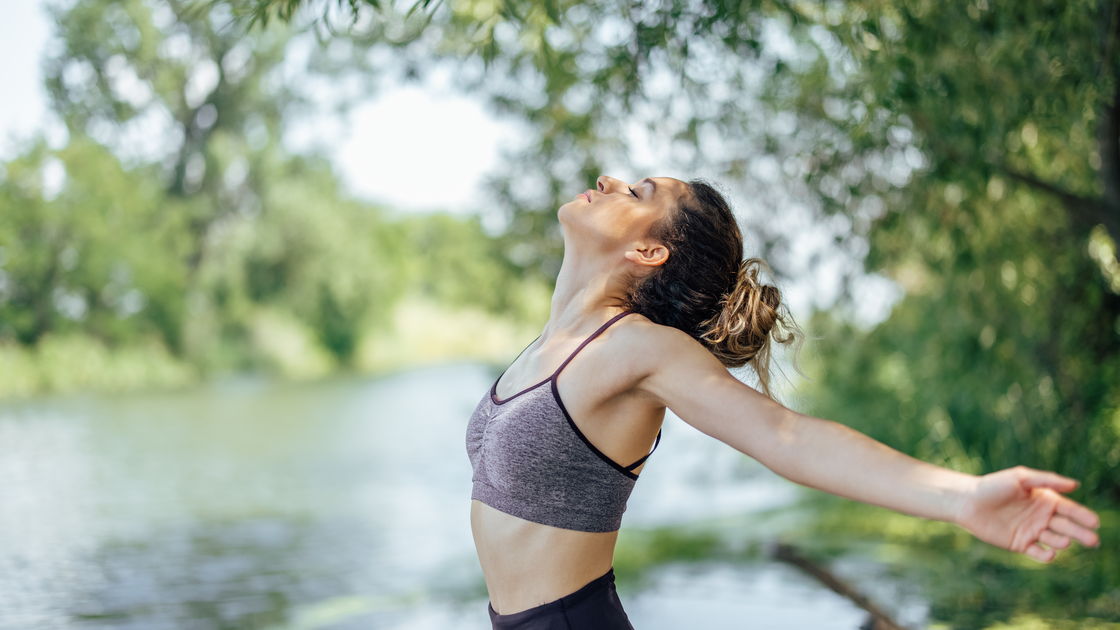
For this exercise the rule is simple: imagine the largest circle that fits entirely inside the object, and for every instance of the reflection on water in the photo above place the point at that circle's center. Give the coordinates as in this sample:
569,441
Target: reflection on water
761,597
253,504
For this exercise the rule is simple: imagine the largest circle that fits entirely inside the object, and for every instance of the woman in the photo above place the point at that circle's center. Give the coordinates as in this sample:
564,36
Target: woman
652,304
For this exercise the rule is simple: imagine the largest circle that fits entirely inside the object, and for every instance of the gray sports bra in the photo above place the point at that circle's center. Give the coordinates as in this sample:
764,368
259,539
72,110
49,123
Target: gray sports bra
530,460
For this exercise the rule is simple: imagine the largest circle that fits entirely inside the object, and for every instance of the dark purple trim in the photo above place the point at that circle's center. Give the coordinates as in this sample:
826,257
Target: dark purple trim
589,340
571,423
494,388
567,416
498,401
656,443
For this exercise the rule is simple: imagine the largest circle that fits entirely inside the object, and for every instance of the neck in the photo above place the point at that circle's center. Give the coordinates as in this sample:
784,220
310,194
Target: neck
586,295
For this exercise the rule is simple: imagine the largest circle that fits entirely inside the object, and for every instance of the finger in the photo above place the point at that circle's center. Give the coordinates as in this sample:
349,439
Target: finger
1053,540
1079,513
1065,527
1038,553
1044,479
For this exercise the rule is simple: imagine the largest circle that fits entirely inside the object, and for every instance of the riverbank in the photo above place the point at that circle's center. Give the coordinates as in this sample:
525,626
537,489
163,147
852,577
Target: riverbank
419,332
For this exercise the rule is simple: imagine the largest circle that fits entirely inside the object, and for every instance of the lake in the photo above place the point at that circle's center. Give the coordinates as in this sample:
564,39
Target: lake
251,503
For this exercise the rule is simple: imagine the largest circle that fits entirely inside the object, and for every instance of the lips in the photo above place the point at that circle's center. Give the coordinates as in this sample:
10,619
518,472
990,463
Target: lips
585,195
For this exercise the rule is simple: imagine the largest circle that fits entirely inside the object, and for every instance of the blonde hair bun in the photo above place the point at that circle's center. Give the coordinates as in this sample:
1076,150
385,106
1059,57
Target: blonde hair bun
750,319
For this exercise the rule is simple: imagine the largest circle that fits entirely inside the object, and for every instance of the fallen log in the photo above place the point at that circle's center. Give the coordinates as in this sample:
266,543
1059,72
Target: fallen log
879,620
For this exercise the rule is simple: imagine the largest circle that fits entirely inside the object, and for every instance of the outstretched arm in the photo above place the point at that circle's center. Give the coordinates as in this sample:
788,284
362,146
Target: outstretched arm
1016,509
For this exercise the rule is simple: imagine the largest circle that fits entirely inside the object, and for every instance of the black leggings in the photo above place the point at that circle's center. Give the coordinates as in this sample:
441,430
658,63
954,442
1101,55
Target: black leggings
593,607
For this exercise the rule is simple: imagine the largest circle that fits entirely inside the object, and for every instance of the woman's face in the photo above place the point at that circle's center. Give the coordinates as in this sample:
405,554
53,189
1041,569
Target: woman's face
615,216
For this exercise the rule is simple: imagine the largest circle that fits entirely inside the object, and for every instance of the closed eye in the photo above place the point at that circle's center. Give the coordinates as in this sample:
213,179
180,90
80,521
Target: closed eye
633,193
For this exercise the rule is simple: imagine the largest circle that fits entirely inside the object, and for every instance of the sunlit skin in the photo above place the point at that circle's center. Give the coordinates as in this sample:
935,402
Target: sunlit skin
618,387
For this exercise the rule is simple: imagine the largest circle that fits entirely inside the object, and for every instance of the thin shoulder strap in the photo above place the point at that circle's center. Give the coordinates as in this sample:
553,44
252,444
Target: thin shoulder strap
656,442
587,341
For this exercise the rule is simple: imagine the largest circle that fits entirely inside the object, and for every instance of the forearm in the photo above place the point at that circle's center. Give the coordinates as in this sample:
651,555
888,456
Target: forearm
836,459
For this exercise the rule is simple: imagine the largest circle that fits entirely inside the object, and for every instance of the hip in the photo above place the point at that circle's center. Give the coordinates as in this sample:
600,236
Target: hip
595,606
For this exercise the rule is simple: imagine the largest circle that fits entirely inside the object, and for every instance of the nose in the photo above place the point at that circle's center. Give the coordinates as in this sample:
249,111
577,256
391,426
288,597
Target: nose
609,184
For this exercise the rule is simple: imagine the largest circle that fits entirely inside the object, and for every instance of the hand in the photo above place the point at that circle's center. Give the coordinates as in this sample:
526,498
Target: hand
1021,509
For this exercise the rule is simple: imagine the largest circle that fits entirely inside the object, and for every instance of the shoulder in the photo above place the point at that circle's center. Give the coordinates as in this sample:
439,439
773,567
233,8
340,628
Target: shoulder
665,364
650,348
637,329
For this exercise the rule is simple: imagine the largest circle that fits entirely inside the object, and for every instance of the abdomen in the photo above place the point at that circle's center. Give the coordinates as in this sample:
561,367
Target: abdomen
528,564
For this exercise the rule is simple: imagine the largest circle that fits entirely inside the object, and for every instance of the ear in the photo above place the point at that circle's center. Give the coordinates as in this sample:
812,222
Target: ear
648,254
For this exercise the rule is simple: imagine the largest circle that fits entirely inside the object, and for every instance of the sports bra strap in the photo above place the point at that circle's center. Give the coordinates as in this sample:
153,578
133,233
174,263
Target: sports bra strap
657,441
587,341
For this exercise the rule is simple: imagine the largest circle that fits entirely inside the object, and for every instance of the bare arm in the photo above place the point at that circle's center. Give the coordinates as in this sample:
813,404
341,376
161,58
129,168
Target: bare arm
1014,509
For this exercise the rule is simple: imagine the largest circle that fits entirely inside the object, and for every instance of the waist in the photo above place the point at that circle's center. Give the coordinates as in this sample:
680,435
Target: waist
527,564
598,599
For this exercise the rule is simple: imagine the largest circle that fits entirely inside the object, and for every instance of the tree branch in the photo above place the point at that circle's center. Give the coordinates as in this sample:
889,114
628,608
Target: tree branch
1085,211
882,621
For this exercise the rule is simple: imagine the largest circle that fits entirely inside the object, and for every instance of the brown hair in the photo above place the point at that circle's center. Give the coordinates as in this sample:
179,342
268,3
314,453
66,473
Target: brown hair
707,290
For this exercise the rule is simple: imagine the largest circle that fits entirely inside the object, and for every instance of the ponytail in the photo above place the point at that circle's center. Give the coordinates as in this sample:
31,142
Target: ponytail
707,290
751,316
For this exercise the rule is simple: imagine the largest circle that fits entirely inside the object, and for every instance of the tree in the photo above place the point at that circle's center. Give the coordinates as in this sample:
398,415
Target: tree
1009,330
177,90
851,72
176,85
68,262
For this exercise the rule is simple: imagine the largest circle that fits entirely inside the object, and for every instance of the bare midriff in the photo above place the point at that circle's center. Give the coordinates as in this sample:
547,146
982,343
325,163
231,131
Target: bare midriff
527,564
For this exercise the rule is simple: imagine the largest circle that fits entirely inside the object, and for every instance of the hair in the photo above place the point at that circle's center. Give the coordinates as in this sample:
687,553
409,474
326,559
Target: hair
707,290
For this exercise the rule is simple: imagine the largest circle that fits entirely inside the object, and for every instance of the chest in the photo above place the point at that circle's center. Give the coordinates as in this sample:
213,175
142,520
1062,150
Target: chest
531,437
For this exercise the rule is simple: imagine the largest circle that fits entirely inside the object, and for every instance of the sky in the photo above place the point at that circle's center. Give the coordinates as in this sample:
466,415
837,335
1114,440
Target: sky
23,36
379,158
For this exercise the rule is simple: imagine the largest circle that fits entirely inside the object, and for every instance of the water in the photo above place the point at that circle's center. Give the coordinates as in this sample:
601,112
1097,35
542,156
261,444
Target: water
254,504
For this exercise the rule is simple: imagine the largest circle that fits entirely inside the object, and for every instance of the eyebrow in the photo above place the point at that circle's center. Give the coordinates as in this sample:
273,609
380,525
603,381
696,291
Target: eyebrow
651,183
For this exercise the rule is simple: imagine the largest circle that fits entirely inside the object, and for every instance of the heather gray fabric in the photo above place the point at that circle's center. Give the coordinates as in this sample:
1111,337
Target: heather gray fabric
530,460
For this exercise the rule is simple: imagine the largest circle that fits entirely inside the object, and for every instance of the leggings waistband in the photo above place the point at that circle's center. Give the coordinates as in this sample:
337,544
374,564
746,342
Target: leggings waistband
564,603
